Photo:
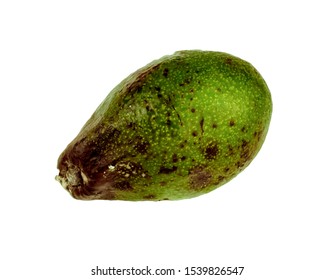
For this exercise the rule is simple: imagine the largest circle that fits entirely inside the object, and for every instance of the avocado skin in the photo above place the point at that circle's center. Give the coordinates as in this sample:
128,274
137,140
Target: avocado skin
177,128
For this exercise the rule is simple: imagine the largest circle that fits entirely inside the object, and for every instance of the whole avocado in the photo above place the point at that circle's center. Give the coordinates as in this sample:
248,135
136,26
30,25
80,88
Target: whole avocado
177,128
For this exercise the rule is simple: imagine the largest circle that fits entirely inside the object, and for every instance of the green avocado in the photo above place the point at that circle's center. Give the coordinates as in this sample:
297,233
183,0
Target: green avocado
177,128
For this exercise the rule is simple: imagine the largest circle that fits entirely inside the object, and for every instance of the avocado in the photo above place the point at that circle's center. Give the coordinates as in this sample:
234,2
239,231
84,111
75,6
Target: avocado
179,127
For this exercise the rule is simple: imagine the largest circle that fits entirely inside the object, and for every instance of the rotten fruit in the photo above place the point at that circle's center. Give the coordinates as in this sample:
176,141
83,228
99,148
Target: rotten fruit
177,128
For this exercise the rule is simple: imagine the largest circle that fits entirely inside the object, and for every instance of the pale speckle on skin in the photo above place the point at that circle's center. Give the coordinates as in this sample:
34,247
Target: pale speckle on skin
111,167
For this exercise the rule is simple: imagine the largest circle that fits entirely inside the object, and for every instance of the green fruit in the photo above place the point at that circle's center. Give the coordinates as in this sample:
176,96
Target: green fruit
177,128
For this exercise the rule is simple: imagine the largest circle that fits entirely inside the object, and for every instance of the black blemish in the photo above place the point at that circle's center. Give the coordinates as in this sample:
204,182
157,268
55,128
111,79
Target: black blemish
202,125
191,98
239,164
181,123
226,169
185,82
115,133
193,110
243,129
211,151
194,133
163,183
182,145
214,125
192,90
165,72
183,158
221,178
231,123
159,95
158,89
229,61
131,125
149,196
168,122
174,158
123,186
199,178
141,146
165,170
147,105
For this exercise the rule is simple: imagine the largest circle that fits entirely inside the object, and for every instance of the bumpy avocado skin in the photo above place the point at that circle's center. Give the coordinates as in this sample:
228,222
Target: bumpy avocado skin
177,128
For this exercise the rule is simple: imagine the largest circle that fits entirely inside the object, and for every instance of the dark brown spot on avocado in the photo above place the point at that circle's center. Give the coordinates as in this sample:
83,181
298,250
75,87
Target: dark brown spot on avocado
193,110
246,152
243,129
174,158
185,82
211,151
183,158
131,125
194,133
141,146
123,186
166,170
202,125
199,178
165,72
214,125
229,61
158,89
231,123
221,178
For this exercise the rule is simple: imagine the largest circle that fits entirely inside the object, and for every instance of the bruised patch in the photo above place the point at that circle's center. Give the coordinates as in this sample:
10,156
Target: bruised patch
199,178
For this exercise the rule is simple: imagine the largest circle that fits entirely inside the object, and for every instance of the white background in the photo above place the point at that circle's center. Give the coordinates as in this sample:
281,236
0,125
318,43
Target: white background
58,61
